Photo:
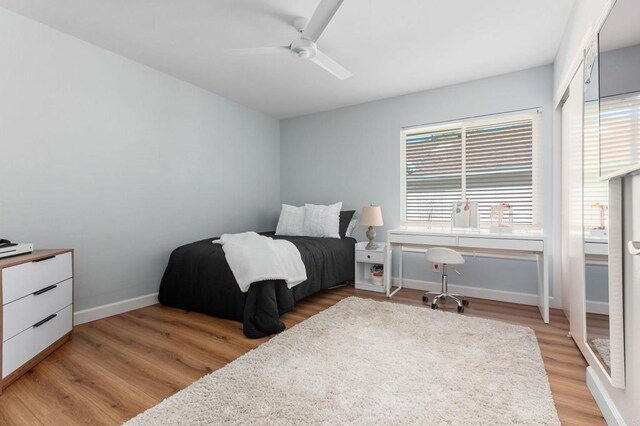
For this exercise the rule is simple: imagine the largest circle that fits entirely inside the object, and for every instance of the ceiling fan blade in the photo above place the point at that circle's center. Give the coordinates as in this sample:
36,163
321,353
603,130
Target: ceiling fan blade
259,50
320,19
331,66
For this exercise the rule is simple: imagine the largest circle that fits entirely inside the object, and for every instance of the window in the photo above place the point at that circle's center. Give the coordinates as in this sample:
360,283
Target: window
492,160
614,125
595,191
619,132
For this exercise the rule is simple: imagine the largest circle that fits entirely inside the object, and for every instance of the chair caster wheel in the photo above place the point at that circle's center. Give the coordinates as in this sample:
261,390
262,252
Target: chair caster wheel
434,306
465,302
425,299
461,309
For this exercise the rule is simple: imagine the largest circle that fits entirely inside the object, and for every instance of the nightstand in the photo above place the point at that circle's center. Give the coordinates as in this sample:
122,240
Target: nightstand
365,259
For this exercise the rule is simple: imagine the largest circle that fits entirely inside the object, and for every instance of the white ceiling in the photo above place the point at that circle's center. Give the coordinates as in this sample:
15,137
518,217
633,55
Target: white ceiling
391,47
621,28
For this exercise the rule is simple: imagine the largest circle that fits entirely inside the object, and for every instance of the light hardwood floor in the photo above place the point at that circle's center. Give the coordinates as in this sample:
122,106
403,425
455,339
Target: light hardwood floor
117,367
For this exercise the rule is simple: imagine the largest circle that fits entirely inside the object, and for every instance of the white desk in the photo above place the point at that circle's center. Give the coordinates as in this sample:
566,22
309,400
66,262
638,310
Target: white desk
518,245
596,250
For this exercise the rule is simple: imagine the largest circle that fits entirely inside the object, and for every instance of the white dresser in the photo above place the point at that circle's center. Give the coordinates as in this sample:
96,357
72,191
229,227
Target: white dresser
37,309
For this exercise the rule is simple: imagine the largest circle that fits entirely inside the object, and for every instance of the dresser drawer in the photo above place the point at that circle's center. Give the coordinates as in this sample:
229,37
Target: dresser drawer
26,345
26,278
24,312
369,256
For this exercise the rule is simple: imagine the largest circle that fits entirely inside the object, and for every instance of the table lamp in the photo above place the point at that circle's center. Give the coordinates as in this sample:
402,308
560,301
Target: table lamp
371,216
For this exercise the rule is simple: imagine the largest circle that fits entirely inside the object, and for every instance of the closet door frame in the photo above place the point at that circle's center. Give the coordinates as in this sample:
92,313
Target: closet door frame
573,275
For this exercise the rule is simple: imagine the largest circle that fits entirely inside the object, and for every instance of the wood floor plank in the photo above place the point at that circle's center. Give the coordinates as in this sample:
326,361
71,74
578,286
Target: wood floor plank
13,412
114,396
53,402
116,367
123,361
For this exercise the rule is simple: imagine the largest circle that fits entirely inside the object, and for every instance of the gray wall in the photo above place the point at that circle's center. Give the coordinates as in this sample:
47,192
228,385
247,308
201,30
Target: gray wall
353,155
121,162
596,283
620,71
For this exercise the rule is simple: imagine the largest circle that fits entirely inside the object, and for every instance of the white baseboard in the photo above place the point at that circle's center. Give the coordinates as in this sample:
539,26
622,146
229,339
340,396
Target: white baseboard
481,293
597,307
606,405
116,308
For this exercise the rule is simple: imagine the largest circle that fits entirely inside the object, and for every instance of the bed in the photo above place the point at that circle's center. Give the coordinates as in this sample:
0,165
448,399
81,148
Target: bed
198,278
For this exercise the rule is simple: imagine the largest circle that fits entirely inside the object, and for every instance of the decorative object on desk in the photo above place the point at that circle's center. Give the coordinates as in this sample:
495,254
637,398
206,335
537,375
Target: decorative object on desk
371,216
464,214
601,229
501,218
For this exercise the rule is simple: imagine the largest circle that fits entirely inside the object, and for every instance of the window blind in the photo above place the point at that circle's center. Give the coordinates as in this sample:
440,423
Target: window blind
500,168
619,132
433,174
490,161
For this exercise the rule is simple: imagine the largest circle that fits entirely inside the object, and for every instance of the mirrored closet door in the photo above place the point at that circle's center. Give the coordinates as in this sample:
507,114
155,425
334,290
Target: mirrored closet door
595,218
611,149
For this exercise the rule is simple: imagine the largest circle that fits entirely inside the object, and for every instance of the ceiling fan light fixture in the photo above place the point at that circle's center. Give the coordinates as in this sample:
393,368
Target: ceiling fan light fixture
305,46
304,49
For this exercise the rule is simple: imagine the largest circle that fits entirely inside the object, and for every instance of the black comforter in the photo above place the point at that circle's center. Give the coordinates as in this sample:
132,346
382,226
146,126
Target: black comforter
198,278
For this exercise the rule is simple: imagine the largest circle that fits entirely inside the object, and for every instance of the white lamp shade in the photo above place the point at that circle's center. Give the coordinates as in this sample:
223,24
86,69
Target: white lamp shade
371,216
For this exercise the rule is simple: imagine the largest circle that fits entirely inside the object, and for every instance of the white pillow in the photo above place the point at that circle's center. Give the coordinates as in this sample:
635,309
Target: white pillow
351,228
322,221
291,221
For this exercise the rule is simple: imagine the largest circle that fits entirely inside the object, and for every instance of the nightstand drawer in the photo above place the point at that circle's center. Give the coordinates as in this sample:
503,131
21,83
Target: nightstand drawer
369,256
26,278
26,345
23,313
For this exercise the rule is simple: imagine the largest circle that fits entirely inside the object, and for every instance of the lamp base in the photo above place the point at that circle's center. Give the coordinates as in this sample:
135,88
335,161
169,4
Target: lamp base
371,234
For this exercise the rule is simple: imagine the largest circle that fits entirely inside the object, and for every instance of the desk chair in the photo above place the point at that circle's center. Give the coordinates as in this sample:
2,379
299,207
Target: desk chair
445,257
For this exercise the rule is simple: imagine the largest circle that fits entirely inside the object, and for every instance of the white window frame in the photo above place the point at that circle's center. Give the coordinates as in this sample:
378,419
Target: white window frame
534,114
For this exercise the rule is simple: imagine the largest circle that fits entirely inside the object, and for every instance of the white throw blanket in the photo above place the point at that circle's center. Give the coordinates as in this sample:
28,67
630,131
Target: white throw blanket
254,258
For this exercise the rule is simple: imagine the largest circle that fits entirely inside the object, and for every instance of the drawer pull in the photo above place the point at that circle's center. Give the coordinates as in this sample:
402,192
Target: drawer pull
44,290
49,318
43,259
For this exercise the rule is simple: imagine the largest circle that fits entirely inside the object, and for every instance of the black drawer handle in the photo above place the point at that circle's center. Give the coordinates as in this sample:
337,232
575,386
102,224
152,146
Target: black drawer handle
44,290
368,256
49,318
43,259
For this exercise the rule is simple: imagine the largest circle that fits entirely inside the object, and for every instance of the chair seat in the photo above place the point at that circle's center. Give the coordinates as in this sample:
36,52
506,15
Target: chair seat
444,255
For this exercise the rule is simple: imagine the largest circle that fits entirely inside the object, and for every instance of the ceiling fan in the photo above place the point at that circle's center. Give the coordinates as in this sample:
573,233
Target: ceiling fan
305,46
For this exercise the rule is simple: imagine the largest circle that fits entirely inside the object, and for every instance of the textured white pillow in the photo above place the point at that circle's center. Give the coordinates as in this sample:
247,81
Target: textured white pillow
291,221
351,228
322,221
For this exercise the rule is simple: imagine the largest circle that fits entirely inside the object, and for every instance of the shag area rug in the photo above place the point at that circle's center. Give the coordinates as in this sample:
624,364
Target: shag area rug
365,362
603,346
